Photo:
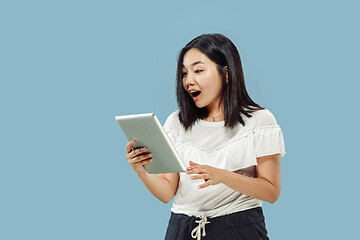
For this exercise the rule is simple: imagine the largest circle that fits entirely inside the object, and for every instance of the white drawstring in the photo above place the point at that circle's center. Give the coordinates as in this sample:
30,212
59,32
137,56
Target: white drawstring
197,230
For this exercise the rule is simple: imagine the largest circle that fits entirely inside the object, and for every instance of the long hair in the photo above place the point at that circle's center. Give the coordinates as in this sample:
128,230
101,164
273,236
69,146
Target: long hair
223,52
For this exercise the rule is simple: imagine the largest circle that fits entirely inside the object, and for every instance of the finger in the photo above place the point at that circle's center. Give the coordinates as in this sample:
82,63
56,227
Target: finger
137,152
204,185
143,162
129,146
199,167
193,164
140,158
194,171
190,167
200,176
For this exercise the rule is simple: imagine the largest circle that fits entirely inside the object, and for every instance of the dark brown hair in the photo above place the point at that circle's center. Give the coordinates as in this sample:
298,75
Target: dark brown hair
223,52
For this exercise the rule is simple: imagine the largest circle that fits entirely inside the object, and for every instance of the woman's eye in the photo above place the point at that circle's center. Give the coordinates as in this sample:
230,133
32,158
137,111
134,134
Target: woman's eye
198,71
184,74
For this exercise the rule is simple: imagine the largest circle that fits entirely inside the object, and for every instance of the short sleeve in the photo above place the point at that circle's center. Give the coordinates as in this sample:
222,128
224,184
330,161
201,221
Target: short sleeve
171,127
268,136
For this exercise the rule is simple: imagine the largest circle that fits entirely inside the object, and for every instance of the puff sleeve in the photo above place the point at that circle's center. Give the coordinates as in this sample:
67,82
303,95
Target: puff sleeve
171,127
268,137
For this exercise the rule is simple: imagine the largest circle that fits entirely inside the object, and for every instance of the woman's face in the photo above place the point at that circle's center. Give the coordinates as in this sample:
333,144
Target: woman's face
201,74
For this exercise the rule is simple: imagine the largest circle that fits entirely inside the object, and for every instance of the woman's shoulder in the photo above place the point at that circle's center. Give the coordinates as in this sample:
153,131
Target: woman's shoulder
264,117
174,114
172,122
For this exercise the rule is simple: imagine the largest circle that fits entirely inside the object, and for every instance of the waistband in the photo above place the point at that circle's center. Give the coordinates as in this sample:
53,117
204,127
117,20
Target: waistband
237,219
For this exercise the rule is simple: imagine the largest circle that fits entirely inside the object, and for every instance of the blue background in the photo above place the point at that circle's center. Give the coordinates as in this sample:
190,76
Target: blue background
68,67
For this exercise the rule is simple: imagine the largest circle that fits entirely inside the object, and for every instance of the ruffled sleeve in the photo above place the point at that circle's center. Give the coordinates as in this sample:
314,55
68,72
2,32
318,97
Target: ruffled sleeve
171,127
268,137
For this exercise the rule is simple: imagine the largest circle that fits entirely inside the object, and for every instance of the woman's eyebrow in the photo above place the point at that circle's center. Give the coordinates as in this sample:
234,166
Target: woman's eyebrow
194,63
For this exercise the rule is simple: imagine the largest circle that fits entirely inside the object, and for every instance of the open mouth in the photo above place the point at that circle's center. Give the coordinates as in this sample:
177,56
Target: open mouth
195,94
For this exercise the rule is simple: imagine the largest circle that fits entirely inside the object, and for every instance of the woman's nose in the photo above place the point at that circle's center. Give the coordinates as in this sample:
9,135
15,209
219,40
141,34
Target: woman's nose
190,79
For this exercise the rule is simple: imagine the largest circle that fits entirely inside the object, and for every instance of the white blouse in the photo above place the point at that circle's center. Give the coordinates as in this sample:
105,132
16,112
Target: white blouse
210,143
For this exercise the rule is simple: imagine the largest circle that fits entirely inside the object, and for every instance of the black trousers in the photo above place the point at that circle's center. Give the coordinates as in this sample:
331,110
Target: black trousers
247,225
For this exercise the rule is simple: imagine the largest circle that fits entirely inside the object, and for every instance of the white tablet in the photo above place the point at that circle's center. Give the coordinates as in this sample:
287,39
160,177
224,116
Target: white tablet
148,132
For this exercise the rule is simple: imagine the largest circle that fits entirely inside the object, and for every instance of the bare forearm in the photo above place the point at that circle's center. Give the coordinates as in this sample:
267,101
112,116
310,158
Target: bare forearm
158,186
258,188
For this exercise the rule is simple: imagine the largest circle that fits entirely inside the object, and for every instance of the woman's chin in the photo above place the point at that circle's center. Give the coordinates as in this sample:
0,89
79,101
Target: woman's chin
199,105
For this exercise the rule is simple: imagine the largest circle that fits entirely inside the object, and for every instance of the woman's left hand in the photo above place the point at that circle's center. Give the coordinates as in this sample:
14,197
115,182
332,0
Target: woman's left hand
211,175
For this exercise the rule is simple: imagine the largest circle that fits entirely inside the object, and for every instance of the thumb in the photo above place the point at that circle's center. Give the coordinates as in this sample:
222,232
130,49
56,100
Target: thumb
192,163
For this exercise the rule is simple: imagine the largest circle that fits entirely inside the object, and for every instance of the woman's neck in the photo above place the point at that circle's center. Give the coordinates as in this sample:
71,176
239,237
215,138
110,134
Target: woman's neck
215,116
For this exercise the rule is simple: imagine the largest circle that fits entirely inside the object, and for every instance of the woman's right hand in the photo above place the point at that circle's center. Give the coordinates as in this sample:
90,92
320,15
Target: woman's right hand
136,157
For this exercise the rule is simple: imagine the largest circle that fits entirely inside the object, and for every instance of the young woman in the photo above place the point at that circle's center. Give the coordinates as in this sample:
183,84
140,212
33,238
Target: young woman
231,145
